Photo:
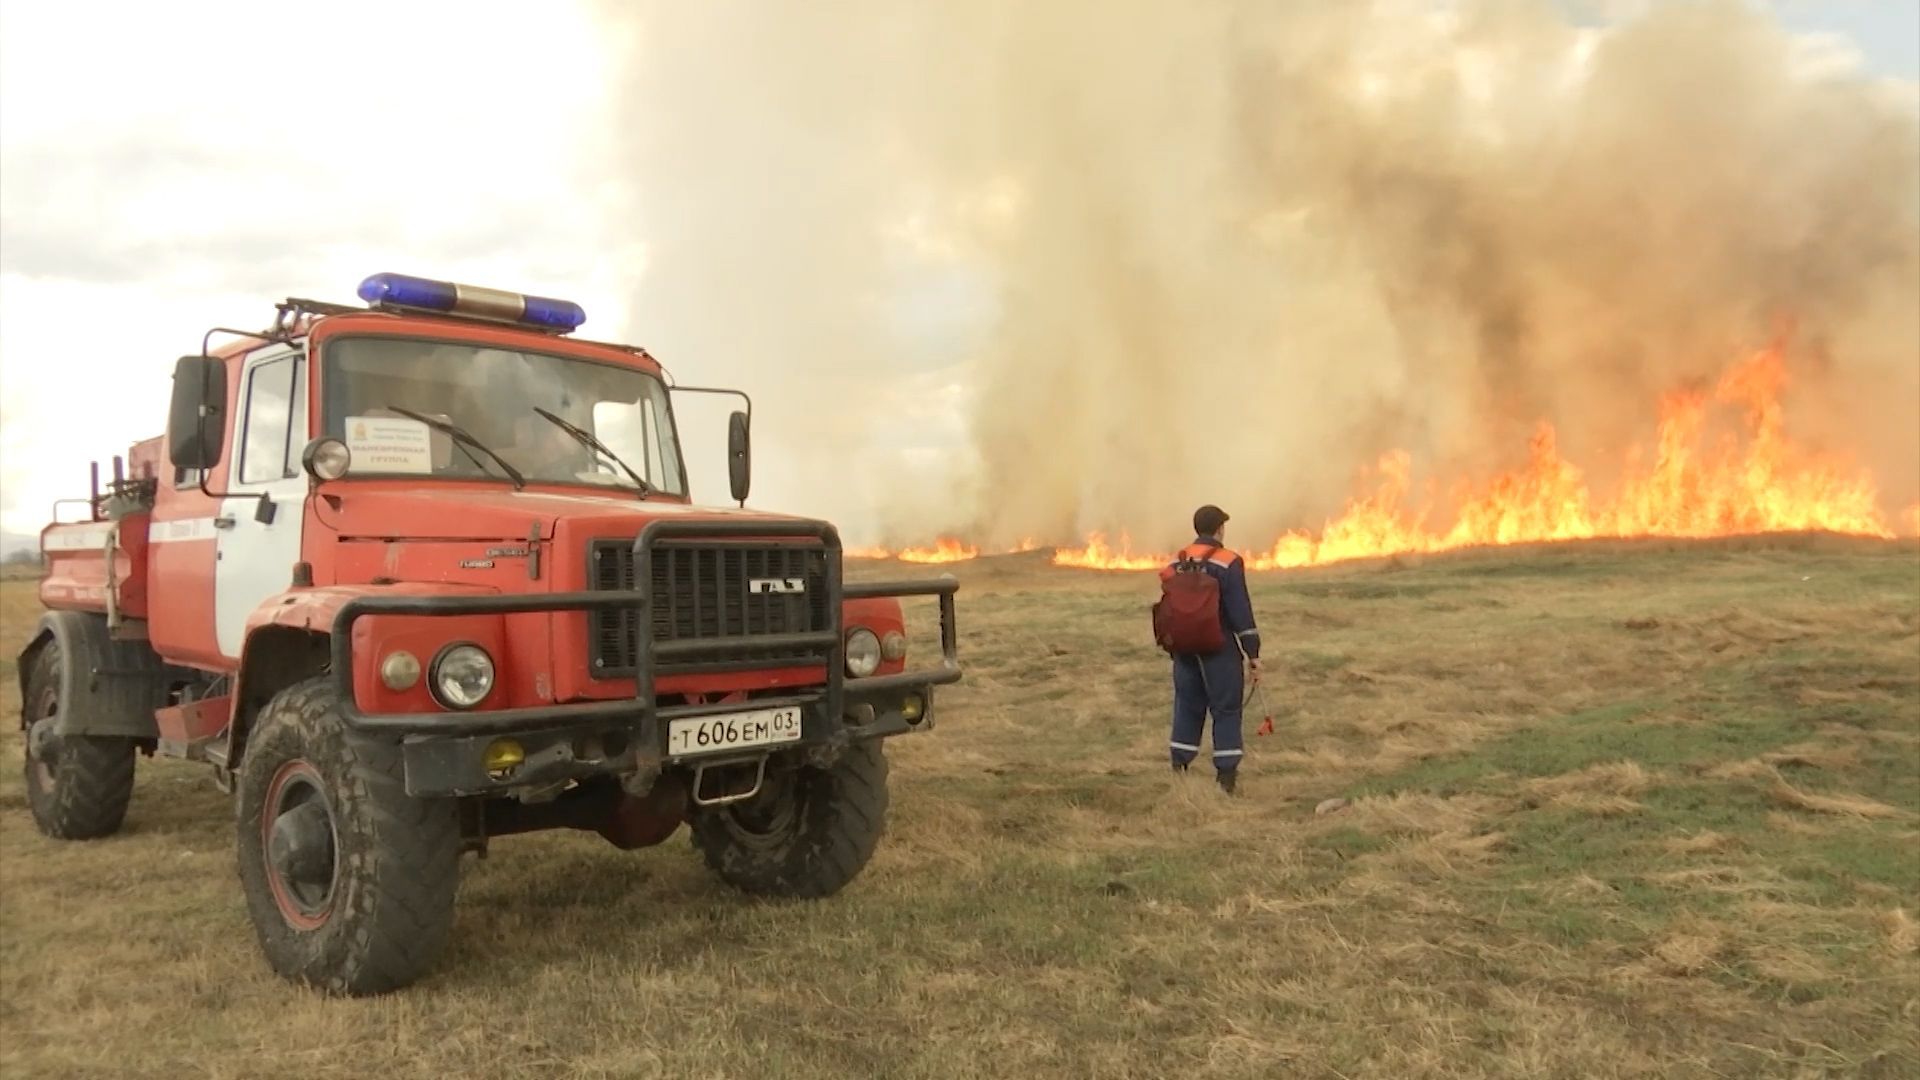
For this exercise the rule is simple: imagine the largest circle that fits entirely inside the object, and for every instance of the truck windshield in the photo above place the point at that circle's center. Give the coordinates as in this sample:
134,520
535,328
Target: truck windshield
494,395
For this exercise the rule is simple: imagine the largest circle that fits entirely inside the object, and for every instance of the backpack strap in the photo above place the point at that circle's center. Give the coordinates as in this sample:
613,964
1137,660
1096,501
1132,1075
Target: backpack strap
1187,554
1187,560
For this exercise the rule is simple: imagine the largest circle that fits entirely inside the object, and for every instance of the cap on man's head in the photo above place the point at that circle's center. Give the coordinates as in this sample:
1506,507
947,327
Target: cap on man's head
1208,519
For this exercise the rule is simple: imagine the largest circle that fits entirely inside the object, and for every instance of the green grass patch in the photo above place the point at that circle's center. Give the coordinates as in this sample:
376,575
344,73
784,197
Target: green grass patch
1348,842
1549,915
1830,868
1580,878
1314,664
1618,732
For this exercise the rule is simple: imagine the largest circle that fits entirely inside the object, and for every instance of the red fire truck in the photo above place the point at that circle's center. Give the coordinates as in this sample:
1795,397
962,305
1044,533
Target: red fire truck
416,574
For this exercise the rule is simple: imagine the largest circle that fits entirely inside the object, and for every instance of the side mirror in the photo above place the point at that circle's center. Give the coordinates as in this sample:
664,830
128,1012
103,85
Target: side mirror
739,457
196,419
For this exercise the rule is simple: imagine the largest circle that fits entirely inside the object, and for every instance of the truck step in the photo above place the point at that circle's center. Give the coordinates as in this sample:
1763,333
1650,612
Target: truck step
213,751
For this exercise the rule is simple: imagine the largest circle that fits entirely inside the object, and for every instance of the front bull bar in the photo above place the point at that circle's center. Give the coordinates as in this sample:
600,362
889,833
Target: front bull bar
643,710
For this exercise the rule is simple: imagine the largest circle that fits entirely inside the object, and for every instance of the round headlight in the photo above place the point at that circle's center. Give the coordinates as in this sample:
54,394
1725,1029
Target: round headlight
894,646
326,459
863,653
462,676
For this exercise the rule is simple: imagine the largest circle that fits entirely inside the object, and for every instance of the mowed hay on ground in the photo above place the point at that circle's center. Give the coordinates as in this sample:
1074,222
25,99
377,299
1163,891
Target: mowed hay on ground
1615,810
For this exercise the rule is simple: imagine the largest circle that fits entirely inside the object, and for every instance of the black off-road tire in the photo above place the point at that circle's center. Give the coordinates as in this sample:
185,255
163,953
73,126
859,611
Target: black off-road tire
807,834
382,915
78,786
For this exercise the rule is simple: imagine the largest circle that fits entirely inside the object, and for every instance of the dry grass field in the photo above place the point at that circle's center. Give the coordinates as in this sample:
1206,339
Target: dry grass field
1616,810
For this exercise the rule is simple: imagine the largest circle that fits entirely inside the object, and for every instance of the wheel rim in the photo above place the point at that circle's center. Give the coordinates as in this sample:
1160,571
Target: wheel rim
299,845
768,819
42,765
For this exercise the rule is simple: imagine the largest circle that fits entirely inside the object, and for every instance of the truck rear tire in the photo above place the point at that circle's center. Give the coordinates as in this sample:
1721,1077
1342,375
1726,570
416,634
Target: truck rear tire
350,881
807,834
78,786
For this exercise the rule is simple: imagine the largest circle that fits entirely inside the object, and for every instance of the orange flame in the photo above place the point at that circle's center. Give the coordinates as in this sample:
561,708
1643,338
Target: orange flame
1698,485
945,550
1097,555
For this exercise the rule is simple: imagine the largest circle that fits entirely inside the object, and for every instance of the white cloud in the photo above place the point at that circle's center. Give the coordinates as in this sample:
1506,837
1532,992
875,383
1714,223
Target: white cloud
200,165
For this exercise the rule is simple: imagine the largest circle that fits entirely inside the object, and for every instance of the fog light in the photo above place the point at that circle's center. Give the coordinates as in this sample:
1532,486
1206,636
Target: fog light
502,757
400,670
912,708
894,646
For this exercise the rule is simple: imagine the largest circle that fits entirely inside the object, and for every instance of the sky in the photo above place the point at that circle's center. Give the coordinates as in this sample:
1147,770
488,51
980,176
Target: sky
1885,32
190,164
204,160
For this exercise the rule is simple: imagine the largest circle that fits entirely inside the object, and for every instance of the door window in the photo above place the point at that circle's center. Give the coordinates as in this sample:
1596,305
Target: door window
275,397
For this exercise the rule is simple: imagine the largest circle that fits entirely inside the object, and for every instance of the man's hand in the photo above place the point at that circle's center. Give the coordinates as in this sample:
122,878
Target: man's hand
1253,669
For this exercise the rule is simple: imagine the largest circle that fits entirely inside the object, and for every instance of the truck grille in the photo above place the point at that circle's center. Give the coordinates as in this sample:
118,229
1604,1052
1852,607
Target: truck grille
702,591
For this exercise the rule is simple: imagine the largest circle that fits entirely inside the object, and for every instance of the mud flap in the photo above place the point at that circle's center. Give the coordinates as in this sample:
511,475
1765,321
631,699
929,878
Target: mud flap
107,687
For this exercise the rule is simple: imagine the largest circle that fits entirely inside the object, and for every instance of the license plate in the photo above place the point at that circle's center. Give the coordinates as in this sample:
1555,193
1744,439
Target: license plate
732,731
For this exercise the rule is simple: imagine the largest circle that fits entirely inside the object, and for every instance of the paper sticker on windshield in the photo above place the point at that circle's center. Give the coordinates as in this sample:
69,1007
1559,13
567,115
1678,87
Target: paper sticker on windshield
384,444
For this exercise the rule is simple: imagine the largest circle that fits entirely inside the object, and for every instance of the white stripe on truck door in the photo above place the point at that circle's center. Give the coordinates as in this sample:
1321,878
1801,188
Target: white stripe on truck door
173,532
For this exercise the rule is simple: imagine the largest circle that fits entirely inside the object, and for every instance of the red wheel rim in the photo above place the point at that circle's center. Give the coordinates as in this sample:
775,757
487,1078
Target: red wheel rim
299,845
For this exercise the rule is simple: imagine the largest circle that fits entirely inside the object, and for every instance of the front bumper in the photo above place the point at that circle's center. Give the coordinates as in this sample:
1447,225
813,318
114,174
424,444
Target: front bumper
456,764
443,750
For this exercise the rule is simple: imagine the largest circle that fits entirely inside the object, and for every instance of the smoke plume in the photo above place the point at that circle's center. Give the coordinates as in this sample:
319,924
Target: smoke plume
1232,252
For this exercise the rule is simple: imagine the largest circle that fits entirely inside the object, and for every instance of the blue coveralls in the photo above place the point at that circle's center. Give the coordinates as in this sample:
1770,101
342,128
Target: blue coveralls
1213,682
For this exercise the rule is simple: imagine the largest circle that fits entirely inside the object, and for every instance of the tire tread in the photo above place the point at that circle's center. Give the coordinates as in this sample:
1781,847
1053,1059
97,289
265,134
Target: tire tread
93,784
400,917
843,817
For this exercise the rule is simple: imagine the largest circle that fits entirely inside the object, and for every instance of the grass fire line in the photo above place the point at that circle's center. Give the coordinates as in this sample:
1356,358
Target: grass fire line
1723,465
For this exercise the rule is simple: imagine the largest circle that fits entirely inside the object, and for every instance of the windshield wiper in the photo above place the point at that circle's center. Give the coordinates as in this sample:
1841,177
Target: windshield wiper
590,441
462,439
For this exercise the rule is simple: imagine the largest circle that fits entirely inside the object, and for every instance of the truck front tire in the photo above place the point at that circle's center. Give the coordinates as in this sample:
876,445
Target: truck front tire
78,786
807,834
349,880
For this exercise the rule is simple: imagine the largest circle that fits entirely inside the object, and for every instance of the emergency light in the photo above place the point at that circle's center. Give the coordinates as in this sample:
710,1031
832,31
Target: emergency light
402,291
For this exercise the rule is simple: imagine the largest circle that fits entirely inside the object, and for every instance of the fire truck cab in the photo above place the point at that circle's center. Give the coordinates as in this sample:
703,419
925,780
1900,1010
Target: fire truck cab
416,574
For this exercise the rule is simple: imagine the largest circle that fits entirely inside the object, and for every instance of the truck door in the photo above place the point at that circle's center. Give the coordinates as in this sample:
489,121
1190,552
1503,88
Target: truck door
256,558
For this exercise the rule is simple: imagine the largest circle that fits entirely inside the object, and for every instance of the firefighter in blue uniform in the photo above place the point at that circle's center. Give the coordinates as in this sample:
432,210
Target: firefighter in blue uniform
1213,683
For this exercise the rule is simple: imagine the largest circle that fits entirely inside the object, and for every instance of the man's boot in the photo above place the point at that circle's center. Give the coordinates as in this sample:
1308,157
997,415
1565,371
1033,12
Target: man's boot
1228,778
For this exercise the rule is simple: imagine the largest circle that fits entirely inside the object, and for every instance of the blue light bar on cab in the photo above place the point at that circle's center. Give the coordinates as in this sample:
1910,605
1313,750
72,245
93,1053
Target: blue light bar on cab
401,291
